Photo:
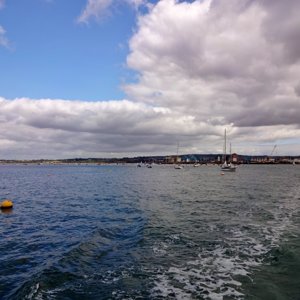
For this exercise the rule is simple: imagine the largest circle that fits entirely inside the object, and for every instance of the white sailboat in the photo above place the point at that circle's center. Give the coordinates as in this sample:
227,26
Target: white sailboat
227,167
177,166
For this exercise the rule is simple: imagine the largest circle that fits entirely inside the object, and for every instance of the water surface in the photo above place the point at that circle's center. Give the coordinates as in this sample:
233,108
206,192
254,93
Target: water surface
121,232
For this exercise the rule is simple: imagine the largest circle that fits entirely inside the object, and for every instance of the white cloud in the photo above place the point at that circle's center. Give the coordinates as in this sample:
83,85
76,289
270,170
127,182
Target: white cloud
138,3
48,128
94,9
222,62
97,9
3,39
68,128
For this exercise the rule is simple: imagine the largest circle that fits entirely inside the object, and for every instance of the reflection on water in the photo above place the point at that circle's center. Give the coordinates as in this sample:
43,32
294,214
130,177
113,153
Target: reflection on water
6,211
121,232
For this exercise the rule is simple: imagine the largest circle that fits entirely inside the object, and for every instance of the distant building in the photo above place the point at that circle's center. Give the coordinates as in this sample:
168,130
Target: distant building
173,159
234,158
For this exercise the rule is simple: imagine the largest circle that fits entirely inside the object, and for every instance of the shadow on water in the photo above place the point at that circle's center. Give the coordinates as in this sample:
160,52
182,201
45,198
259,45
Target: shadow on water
101,260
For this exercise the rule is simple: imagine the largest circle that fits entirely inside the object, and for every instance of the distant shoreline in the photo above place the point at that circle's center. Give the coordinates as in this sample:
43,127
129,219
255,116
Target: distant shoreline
188,159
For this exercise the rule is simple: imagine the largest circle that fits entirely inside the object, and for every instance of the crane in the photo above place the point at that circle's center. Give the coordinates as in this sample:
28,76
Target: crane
274,148
269,159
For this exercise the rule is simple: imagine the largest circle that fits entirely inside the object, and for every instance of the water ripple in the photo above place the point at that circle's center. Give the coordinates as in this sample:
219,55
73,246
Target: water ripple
121,232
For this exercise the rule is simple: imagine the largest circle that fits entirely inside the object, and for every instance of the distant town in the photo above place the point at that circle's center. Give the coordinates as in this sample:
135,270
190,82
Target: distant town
170,159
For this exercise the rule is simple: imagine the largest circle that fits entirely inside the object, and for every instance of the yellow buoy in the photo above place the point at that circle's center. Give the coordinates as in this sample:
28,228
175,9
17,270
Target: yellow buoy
6,204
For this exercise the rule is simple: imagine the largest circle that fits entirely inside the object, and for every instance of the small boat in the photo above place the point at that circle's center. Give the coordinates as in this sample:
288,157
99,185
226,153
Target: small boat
139,165
178,167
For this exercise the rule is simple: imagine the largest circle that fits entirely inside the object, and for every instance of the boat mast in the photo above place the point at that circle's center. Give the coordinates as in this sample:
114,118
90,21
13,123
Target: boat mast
176,159
225,146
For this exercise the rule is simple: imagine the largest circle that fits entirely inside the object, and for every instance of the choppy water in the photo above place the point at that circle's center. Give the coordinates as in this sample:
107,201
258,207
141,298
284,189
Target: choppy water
121,232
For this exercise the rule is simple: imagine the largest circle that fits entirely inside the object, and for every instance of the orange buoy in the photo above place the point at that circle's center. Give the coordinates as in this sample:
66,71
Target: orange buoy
5,204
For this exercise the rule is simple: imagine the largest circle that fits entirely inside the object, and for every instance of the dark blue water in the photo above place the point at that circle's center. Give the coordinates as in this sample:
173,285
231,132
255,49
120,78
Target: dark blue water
121,232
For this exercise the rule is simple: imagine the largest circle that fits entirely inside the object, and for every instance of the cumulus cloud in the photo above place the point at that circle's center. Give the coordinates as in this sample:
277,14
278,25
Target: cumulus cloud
48,128
233,63
92,128
217,58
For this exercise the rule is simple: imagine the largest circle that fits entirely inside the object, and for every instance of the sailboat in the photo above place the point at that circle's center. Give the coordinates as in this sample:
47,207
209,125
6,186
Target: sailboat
177,165
227,167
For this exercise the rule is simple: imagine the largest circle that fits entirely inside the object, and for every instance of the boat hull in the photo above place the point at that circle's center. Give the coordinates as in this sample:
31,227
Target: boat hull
228,169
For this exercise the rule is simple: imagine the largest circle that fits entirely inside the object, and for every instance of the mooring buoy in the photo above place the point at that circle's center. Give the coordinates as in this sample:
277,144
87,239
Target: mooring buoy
6,204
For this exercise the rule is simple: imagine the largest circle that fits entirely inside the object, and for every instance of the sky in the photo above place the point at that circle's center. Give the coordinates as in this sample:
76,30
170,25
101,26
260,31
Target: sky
115,78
